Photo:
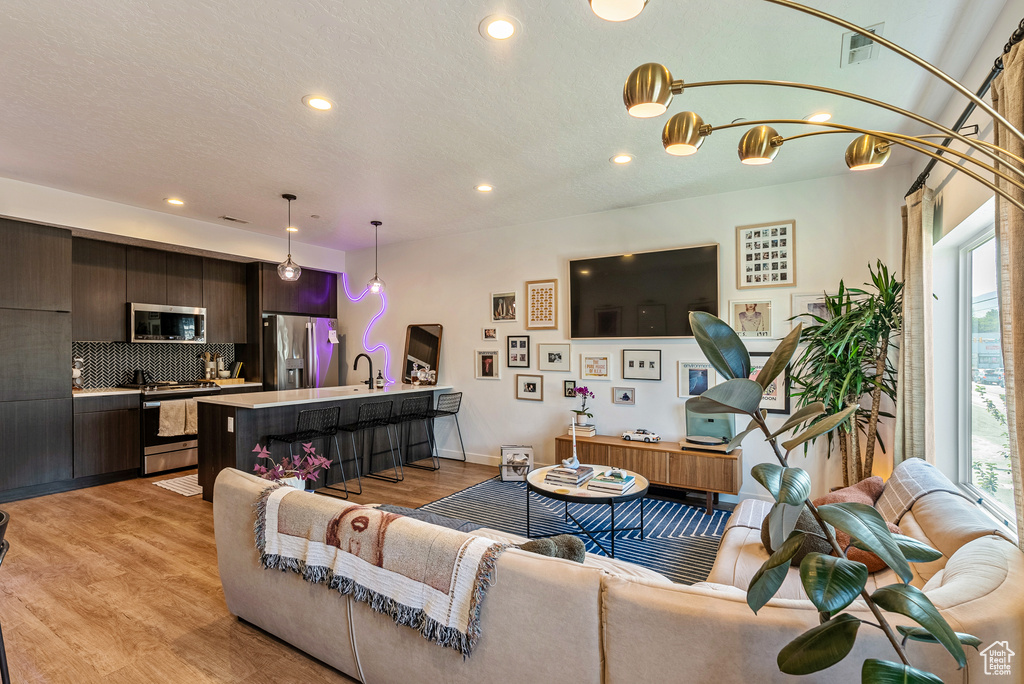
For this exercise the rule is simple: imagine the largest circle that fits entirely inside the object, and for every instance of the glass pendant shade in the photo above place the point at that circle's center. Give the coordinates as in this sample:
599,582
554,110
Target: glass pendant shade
648,91
376,285
617,10
867,152
759,145
289,270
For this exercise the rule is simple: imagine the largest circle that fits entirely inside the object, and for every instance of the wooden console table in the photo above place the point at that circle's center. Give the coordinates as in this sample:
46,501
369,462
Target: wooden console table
663,463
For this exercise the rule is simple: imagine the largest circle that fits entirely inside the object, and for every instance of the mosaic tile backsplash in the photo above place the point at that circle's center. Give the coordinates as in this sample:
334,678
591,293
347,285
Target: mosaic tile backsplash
108,364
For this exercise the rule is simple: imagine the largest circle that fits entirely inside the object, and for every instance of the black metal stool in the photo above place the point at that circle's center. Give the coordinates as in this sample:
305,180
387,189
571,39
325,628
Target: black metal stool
373,416
4,546
316,424
448,405
415,410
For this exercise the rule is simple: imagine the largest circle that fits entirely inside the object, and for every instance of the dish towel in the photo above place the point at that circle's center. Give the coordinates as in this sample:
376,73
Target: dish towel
172,419
191,417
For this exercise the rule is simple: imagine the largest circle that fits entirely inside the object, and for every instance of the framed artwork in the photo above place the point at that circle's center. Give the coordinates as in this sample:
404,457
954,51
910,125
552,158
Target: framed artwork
595,367
766,255
542,305
641,364
516,462
530,387
776,395
695,378
503,307
488,366
751,318
518,351
569,389
624,395
490,334
553,357
813,304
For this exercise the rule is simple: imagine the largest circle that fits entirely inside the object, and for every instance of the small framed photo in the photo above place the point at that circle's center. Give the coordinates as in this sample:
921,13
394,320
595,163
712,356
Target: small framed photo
641,364
569,389
810,308
490,334
766,255
518,351
751,318
776,395
595,367
695,379
488,365
516,462
503,307
624,395
553,357
542,305
530,387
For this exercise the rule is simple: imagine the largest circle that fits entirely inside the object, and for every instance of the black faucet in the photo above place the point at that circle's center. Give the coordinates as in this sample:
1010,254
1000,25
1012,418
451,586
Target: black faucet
355,366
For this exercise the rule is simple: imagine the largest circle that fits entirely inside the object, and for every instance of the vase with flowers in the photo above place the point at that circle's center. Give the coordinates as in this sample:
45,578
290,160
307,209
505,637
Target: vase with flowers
294,471
582,413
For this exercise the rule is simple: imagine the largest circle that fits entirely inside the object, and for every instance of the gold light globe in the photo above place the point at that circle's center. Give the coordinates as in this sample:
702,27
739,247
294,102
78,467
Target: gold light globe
867,152
759,145
617,10
683,134
648,91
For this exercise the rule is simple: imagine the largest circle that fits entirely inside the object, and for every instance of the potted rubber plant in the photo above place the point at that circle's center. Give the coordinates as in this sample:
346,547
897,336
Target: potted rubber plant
831,581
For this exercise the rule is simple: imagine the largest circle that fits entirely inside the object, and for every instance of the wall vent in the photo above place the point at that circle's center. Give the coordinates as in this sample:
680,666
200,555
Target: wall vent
859,48
232,219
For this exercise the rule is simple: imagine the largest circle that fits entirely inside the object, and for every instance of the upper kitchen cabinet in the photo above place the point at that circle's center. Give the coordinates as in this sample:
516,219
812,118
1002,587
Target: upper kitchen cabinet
147,276
98,276
37,260
315,293
224,296
184,279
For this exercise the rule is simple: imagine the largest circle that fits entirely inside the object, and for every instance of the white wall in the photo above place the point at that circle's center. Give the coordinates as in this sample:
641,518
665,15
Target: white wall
843,223
37,203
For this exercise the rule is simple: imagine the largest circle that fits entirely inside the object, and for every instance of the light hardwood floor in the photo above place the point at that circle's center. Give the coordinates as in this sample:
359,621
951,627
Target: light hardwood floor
119,584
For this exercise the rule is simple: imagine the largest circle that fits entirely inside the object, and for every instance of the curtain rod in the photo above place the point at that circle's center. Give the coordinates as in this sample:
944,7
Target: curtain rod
997,68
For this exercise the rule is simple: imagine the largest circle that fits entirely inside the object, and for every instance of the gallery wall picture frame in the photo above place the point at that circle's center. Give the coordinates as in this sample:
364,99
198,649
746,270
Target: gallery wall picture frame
542,304
487,364
595,367
554,357
751,317
490,334
529,387
516,462
766,255
518,353
776,395
811,303
503,307
641,364
569,389
694,378
624,395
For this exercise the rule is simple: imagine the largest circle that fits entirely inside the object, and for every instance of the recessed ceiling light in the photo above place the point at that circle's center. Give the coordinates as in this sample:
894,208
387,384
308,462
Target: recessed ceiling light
292,229
317,102
499,27
621,159
819,117
484,187
175,201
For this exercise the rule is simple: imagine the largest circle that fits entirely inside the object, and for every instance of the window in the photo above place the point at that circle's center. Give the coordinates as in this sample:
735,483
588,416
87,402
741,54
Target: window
985,451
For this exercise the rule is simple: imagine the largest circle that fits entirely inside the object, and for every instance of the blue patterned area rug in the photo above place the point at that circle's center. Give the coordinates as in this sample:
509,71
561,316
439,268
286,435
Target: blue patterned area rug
680,541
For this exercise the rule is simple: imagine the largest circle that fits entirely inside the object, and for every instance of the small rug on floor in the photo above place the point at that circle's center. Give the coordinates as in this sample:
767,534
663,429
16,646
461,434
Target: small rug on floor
186,485
680,541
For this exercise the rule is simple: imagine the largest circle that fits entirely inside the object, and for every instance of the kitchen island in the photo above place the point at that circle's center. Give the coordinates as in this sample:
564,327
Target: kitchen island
231,426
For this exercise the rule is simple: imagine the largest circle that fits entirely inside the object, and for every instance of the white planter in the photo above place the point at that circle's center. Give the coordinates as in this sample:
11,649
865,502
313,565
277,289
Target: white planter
581,419
296,482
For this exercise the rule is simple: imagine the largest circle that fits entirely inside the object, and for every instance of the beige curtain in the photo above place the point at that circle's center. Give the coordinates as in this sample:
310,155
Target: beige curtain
1008,99
915,409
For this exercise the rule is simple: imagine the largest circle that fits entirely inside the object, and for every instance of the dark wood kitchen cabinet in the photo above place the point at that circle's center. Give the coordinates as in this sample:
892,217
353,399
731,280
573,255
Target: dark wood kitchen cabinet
184,279
98,304
147,276
36,445
35,355
106,435
315,293
37,260
224,296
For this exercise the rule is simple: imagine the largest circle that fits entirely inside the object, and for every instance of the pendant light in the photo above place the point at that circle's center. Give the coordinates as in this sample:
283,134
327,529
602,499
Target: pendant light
376,285
288,269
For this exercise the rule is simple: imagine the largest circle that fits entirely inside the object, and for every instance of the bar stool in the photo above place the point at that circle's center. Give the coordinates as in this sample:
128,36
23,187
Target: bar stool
4,546
448,405
412,411
314,424
373,416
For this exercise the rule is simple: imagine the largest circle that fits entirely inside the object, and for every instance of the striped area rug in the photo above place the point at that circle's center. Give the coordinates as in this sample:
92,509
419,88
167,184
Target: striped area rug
187,485
680,541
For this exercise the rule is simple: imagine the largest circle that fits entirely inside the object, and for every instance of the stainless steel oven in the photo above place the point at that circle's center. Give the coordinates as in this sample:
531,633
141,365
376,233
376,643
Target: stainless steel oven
161,453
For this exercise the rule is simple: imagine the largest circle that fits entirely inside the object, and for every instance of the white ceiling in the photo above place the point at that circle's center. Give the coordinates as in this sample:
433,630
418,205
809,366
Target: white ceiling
134,101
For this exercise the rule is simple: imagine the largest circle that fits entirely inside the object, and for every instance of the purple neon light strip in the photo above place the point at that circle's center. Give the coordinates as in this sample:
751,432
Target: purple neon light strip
366,344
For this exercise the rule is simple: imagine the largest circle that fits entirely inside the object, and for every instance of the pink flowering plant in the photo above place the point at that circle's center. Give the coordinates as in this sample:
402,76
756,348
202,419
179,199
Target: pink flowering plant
585,394
305,467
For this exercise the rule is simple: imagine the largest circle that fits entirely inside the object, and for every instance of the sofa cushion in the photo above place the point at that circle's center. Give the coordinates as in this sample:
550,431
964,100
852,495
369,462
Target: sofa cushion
866,492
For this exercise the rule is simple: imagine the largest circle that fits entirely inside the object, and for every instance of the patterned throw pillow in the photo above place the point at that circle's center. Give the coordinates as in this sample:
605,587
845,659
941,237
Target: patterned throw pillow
865,492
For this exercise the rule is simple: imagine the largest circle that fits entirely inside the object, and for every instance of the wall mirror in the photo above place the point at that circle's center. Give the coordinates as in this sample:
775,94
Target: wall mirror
422,347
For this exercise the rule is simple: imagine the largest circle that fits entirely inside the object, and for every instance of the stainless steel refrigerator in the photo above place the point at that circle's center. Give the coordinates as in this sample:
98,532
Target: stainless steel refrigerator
301,352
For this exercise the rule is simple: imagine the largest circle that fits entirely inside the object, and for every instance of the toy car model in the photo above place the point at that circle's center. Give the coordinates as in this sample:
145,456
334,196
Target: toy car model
641,435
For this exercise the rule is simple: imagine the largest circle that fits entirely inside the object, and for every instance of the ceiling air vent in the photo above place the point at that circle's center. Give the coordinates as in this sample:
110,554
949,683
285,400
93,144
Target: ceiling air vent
858,47
232,219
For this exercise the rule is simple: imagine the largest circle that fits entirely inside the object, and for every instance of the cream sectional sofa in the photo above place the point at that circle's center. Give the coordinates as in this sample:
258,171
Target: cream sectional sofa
550,620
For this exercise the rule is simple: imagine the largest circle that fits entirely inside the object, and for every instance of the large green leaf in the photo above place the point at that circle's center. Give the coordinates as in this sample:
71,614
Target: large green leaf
772,573
820,647
780,358
781,521
821,427
864,524
922,634
788,485
913,550
803,415
738,439
704,405
886,672
739,394
832,583
908,600
721,345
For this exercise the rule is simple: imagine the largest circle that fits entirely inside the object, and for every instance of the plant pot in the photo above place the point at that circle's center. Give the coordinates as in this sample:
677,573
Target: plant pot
296,482
581,419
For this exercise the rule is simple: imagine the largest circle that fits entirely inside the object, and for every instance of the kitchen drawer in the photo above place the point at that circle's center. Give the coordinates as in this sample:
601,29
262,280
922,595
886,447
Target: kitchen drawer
86,404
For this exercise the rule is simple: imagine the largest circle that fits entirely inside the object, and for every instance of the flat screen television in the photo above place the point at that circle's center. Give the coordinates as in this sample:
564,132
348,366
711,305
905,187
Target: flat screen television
643,294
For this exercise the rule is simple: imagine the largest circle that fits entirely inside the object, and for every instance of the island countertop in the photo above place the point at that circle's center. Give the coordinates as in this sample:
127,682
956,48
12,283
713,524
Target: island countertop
260,400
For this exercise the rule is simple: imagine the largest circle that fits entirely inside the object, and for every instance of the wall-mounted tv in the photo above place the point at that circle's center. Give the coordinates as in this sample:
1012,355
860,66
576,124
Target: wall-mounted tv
643,294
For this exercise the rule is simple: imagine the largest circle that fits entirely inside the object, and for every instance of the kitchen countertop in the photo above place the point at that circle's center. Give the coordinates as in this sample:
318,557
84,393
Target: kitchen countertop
239,384
103,392
258,400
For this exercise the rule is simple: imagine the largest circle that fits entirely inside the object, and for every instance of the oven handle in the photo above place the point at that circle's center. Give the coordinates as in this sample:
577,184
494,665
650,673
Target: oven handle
150,404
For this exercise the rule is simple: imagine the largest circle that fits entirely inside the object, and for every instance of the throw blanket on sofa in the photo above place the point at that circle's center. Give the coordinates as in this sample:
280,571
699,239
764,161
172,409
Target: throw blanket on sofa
430,578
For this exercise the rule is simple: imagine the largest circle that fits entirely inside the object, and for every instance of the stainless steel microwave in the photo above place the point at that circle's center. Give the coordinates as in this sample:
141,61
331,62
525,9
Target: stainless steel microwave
158,323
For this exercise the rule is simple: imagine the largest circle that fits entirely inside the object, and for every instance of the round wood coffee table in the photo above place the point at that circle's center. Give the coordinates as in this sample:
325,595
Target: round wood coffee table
535,483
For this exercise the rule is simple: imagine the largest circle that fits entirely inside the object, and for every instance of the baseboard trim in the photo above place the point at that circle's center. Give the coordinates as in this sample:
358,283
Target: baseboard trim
32,491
